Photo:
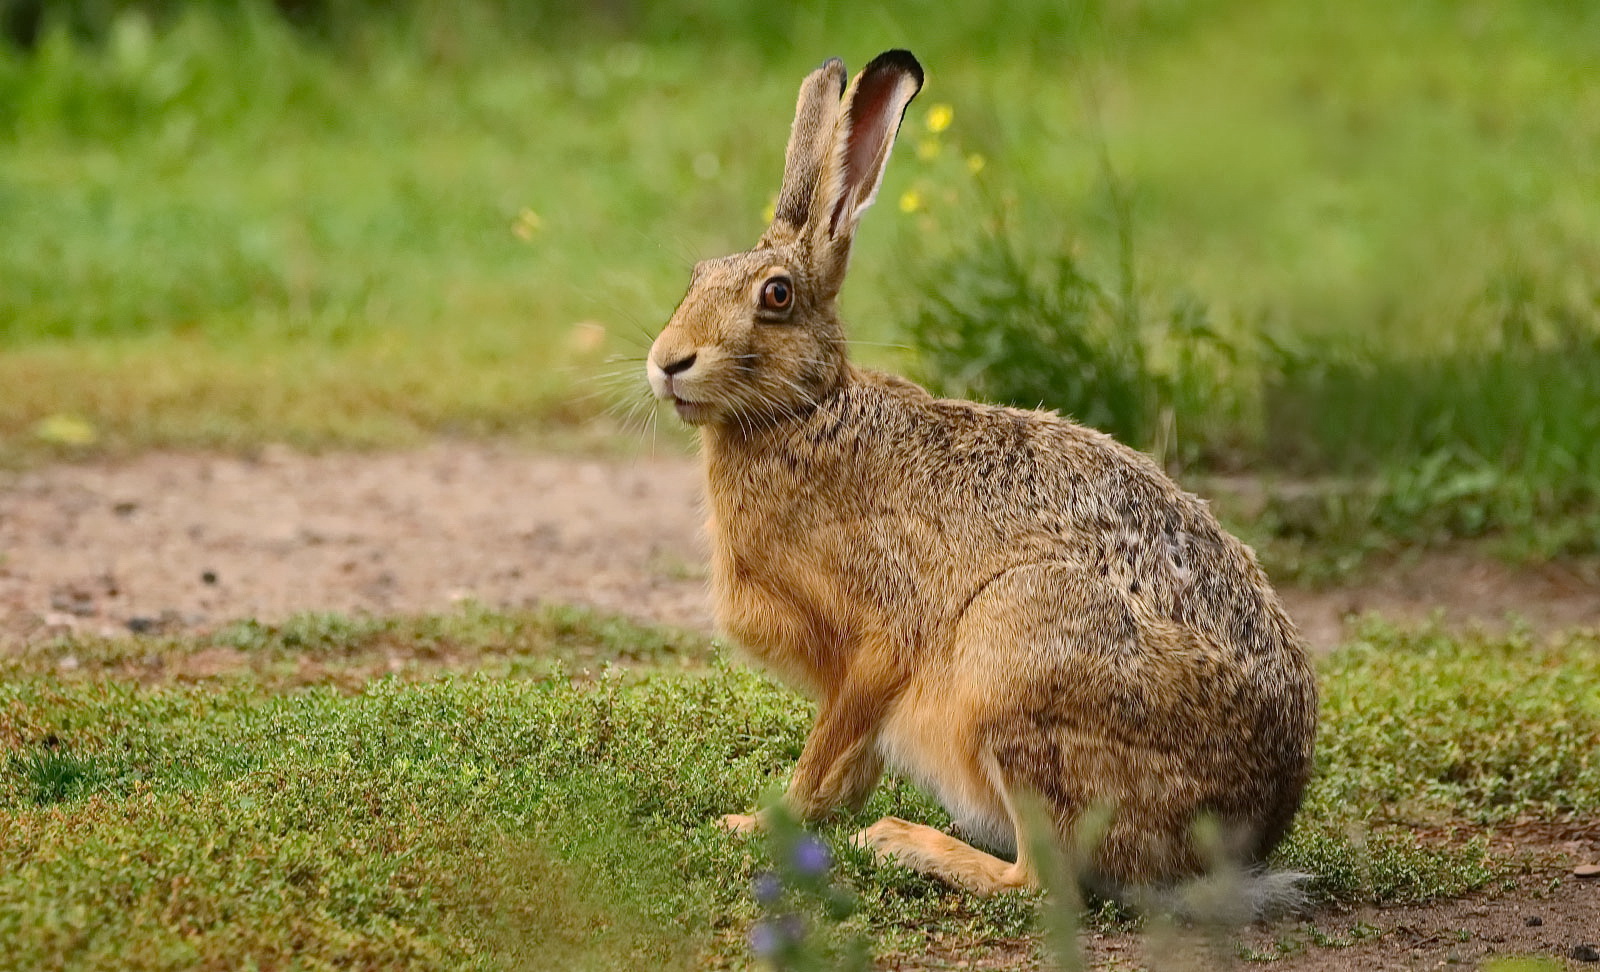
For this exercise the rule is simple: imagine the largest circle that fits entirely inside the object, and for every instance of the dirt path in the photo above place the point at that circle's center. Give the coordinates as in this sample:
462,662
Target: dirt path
170,541
1548,914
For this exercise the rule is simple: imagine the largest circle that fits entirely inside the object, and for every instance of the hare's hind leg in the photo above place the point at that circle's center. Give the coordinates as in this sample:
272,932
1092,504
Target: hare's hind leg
989,727
936,853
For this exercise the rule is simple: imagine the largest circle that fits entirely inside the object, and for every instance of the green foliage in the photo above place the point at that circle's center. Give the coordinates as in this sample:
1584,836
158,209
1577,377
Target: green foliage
1033,330
309,648
1480,728
1524,965
1425,737
48,775
1348,863
557,633
323,823
757,30
1382,449
1492,437
464,821
800,906
995,327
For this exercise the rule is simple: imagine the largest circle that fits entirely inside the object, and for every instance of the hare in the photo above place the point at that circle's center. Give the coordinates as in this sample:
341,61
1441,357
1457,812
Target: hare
1000,604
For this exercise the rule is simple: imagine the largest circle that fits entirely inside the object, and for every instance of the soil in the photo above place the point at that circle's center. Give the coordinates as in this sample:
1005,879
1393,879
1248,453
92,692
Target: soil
175,541
1550,914
1547,913
183,542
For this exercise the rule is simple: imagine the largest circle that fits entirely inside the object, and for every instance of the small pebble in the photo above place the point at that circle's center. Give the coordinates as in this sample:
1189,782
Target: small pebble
1585,953
208,577
1533,921
141,625
1587,871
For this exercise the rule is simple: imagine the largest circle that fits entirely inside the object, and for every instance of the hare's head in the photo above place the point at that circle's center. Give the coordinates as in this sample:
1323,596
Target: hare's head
757,335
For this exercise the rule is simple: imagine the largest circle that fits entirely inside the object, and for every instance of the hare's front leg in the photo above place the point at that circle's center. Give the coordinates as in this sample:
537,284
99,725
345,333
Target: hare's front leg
840,764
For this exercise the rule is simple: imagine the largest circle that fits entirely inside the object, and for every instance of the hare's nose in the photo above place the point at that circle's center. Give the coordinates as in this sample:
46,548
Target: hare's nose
681,365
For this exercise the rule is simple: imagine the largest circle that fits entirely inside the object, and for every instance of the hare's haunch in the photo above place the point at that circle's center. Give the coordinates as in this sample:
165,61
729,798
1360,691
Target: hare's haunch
1000,604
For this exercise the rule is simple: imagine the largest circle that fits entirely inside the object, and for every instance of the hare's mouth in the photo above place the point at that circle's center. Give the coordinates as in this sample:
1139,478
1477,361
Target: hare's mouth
692,412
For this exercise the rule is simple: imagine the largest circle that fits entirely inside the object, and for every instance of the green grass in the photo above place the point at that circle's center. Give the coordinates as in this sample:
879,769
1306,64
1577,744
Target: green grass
315,648
223,230
448,819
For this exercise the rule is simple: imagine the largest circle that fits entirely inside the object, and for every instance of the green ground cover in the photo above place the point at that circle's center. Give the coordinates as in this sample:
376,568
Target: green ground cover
165,810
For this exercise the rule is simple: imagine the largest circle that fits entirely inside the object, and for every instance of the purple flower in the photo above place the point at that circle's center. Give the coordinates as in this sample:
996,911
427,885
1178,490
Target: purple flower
765,939
811,856
768,938
767,888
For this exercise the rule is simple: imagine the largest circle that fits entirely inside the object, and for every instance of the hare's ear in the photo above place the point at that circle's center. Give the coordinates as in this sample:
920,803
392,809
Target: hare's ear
853,168
816,115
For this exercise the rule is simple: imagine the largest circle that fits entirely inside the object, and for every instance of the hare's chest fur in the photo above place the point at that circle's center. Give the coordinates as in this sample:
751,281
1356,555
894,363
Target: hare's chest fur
781,597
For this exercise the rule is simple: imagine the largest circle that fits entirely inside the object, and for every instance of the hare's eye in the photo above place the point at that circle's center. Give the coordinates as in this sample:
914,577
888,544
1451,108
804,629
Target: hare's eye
777,294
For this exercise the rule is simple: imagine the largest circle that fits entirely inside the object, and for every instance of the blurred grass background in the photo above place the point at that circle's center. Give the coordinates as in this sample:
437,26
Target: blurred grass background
1352,246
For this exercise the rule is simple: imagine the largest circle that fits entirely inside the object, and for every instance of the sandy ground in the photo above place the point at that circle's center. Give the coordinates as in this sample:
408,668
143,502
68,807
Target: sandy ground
174,541
186,541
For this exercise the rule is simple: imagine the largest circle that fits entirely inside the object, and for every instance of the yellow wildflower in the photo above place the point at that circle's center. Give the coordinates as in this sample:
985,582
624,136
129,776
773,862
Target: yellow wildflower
770,213
975,163
65,429
910,201
928,148
527,223
939,117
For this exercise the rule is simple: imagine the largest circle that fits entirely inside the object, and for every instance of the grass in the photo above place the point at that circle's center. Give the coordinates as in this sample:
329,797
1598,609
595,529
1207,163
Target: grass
447,819
312,648
1359,450
223,229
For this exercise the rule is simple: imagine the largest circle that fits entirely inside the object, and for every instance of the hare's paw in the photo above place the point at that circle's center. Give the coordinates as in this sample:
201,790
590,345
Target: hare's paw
937,854
742,823
887,837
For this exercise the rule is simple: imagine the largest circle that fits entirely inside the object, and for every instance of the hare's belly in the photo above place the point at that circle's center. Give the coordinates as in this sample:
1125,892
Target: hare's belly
924,740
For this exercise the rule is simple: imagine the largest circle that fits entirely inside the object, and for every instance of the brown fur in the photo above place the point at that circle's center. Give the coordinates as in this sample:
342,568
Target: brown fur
992,601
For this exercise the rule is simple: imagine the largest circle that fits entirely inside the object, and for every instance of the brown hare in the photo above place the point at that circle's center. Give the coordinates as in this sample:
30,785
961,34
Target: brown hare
1000,604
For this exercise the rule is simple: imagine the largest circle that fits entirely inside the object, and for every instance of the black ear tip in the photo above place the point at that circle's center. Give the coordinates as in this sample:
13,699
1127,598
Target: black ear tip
836,65
899,59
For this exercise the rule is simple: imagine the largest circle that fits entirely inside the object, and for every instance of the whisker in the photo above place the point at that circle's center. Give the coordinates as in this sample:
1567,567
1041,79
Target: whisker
614,386
633,370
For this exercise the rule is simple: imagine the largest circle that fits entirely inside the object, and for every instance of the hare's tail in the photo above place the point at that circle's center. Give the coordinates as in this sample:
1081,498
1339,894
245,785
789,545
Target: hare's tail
1235,897
1275,894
